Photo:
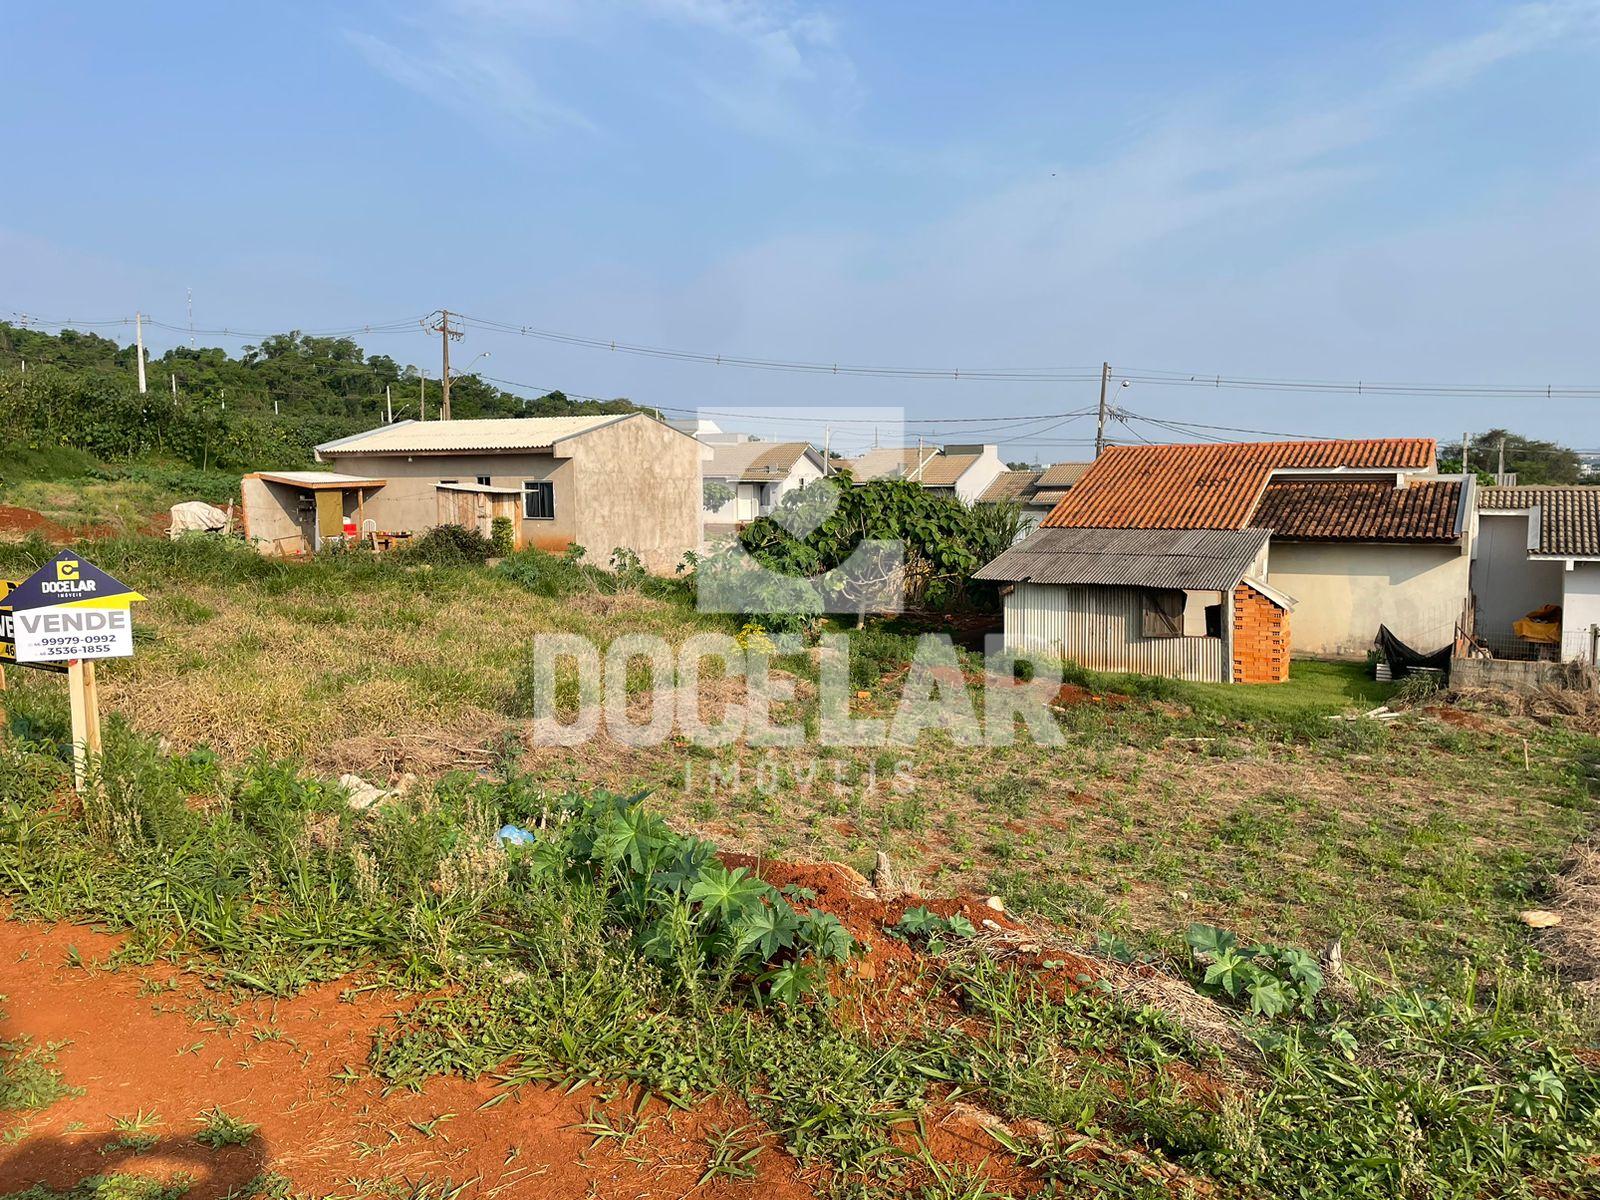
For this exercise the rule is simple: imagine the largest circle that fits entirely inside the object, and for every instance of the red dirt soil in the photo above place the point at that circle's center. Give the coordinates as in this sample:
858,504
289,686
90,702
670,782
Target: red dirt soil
135,1044
1071,695
23,521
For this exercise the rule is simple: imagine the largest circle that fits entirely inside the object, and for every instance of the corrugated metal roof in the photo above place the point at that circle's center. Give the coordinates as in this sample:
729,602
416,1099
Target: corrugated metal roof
318,479
1569,517
499,434
479,489
1361,510
1211,486
1201,559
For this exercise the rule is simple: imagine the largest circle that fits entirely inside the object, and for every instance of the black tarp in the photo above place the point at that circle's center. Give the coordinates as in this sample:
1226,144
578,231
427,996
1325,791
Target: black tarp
1402,659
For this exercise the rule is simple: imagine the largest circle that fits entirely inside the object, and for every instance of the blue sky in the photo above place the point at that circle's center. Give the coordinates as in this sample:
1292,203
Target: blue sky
1355,191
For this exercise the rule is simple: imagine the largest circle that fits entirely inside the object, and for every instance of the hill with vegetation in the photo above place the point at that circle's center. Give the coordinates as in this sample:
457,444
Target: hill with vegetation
85,451
265,407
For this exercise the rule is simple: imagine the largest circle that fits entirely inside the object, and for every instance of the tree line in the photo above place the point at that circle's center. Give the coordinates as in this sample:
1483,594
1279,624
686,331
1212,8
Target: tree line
265,407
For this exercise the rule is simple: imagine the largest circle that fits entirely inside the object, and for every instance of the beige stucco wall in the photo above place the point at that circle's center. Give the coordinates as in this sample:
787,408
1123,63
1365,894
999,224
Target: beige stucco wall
280,518
636,483
1344,591
269,517
632,483
409,500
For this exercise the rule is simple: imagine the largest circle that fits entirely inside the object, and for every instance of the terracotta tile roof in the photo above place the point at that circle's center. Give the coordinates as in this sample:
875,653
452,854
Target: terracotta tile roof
943,470
1211,486
1569,517
753,462
938,468
1011,485
1360,510
1063,474
886,463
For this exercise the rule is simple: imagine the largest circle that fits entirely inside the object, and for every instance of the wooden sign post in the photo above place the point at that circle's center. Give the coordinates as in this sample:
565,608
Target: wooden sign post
70,611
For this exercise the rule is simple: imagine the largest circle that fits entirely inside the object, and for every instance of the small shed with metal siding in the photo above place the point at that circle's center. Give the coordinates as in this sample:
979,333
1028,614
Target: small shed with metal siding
1181,603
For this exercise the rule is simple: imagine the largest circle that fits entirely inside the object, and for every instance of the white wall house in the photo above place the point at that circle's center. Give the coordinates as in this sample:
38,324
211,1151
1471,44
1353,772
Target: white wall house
1538,546
759,474
1034,491
965,471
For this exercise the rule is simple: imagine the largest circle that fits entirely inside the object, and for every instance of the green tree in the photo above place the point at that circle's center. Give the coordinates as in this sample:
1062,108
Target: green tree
1533,460
266,407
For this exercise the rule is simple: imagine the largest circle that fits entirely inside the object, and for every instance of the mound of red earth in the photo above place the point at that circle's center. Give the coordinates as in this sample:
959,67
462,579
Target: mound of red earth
152,1041
155,1041
21,522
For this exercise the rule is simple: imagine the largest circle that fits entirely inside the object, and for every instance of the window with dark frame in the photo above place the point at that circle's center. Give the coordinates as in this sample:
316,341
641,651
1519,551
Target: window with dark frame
485,481
538,501
1163,613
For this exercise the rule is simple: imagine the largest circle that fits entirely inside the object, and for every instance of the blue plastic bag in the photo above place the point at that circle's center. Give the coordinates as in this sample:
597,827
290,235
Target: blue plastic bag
513,835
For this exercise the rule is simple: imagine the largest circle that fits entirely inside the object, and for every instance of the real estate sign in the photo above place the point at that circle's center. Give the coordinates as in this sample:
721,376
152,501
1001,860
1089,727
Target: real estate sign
70,609
8,649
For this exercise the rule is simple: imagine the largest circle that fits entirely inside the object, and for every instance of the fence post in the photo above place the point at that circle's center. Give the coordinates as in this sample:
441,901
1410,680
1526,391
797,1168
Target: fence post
1594,645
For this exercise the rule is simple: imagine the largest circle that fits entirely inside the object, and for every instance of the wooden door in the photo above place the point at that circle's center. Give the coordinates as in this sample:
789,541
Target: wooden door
330,514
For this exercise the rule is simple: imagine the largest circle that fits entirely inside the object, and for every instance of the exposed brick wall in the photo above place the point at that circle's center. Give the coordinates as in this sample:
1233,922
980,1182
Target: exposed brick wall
1260,638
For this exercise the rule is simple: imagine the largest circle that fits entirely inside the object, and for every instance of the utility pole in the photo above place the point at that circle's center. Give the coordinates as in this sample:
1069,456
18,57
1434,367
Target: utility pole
1465,470
422,398
174,378
1100,427
1502,457
827,436
388,406
138,338
446,332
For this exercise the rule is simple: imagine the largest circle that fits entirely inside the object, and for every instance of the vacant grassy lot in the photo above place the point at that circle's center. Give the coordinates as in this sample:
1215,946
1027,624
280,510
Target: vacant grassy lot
619,950
76,492
1418,841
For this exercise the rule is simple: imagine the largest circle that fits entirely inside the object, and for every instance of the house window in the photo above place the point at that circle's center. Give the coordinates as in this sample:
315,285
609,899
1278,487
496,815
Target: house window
538,501
485,481
1163,613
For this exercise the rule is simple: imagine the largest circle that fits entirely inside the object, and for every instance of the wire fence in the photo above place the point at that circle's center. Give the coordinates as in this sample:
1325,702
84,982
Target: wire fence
1579,644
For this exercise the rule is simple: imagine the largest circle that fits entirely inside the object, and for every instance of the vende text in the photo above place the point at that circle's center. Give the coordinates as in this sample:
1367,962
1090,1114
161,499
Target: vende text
90,620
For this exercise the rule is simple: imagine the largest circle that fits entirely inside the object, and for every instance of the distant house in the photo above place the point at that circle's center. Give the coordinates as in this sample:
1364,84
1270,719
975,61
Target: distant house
962,471
1184,603
759,474
616,480
1538,546
1035,492
1355,534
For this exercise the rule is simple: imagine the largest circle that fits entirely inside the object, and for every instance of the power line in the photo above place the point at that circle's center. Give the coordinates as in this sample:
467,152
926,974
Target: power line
1156,377
1019,374
1361,387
